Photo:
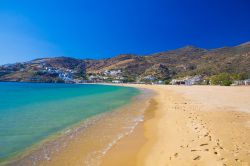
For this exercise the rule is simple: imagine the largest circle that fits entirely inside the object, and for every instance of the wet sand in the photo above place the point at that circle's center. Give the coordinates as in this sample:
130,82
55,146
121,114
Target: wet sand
183,125
126,152
88,142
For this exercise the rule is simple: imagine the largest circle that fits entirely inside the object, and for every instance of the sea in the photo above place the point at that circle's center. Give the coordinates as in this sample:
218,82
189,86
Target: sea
32,112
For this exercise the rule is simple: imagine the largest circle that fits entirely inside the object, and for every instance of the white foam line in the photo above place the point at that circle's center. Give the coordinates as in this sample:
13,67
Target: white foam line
95,161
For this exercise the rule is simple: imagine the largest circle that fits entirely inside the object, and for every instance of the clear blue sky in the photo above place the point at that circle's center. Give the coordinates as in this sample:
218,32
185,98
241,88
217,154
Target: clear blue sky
103,28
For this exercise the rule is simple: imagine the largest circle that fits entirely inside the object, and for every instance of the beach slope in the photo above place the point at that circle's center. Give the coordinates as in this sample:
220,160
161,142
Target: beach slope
197,125
183,125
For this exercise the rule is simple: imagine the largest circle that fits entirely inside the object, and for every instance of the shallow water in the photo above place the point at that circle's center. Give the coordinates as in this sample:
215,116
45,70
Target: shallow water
88,142
29,113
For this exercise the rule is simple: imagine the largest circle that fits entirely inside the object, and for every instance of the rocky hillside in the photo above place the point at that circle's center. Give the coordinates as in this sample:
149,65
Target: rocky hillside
184,61
188,60
61,69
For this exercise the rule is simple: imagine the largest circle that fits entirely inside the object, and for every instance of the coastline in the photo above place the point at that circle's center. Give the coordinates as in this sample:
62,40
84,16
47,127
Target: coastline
64,146
182,125
197,125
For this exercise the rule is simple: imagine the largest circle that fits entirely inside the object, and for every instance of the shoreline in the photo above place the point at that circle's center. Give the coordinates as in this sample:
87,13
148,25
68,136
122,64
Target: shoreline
182,125
197,125
50,151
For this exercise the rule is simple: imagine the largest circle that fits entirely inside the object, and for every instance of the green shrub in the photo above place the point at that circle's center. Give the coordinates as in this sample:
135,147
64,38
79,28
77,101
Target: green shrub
223,79
238,76
167,82
129,79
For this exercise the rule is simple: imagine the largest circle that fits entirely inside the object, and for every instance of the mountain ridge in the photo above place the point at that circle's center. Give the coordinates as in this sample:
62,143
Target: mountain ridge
184,61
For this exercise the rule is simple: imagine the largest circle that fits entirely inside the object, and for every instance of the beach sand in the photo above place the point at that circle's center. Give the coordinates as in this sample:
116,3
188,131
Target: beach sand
193,125
88,142
183,125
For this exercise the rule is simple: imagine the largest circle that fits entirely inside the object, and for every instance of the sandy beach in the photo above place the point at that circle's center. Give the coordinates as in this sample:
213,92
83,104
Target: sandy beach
194,125
183,125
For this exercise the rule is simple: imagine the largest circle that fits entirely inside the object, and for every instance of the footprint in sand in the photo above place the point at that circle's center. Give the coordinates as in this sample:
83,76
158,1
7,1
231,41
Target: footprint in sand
197,158
176,155
203,144
206,134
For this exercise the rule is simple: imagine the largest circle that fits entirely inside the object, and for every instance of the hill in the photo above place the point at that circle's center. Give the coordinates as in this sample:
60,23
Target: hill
184,61
181,62
60,69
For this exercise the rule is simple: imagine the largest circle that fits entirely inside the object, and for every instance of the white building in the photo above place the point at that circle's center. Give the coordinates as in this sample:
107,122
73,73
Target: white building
187,80
117,81
238,82
247,82
93,77
112,72
119,78
149,77
241,82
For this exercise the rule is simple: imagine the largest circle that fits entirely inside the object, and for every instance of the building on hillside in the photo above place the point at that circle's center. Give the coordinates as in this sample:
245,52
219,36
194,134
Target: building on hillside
195,80
149,78
93,78
66,77
247,82
241,82
119,78
117,81
178,82
158,82
238,82
112,72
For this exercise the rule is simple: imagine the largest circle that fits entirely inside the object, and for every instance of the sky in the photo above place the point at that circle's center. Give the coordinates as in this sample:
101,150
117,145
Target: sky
99,29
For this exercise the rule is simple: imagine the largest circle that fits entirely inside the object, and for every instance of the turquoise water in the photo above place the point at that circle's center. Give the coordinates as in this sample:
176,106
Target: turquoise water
31,112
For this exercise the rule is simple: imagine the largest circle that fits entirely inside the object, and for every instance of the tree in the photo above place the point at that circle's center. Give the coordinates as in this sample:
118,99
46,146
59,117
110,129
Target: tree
221,79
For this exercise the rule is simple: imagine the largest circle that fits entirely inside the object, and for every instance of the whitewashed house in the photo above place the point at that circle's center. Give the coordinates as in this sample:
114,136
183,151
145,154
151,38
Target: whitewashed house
247,82
149,77
241,82
112,72
117,81
187,80
238,82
